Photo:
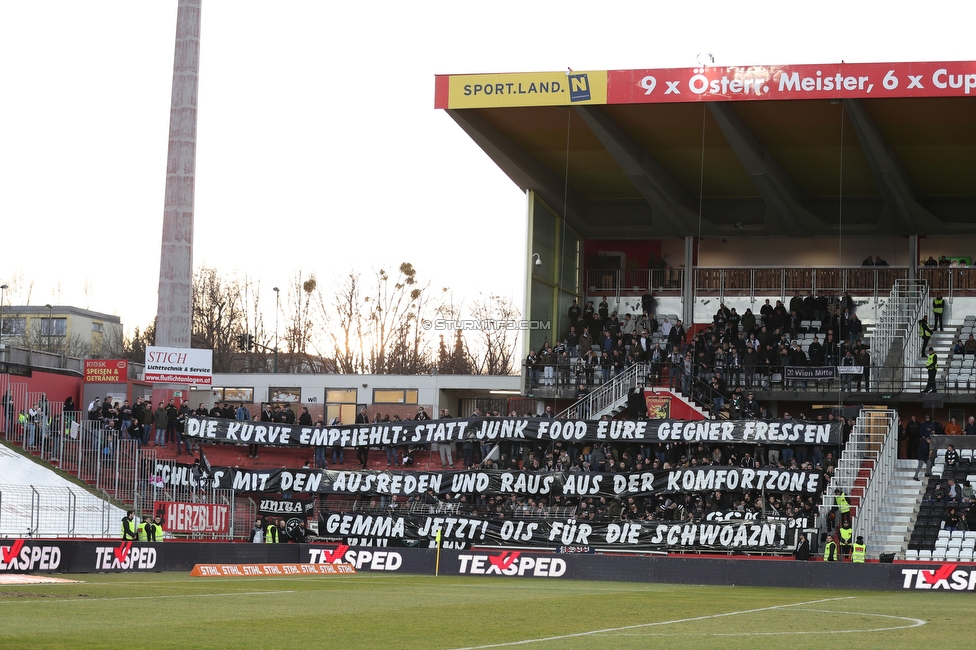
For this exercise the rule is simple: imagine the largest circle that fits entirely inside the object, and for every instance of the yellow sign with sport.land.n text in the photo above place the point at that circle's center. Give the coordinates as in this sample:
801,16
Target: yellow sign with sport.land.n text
526,89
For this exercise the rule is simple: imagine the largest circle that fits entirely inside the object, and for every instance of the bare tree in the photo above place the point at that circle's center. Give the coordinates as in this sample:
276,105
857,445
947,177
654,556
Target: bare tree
497,336
342,318
217,313
300,326
454,360
379,330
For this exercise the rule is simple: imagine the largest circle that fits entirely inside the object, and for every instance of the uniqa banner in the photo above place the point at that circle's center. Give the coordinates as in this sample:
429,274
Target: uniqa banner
413,529
490,430
491,482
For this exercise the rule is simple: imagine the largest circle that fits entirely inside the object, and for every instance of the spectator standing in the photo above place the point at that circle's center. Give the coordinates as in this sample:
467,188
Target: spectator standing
925,332
362,452
257,533
924,455
161,417
802,550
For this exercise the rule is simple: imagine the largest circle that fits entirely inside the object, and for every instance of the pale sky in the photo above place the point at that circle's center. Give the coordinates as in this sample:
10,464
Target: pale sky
318,144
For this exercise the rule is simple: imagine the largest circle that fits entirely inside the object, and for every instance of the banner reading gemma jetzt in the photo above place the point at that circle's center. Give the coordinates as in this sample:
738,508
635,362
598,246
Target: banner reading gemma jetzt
490,430
412,529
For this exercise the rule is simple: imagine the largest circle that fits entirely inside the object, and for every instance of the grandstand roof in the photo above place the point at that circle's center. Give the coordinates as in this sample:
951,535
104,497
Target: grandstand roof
874,149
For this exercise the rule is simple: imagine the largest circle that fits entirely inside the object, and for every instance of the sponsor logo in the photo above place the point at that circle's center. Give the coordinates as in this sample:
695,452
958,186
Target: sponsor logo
579,87
20,556
124,556
370,560
512,563
947,576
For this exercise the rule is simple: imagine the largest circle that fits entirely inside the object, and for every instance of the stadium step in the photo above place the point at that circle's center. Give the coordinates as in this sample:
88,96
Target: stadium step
895,519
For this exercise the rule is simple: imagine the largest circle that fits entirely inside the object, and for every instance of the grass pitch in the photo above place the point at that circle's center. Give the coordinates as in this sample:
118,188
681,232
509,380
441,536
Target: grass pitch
371,610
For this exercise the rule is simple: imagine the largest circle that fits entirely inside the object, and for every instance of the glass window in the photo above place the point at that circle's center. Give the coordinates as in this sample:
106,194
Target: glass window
346,413
340,396
239,394
14,326
96,327
394,396
54,326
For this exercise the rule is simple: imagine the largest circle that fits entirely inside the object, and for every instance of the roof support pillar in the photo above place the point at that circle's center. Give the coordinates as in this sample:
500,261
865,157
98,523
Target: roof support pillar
687,285
912,257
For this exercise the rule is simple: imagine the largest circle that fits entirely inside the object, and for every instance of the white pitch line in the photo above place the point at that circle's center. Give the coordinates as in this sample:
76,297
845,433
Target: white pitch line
916,622
96,598
641,625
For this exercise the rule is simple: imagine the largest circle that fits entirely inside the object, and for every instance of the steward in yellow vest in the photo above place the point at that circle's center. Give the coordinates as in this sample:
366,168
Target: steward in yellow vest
128,529
859,550
830,550
846,538
141,534
271,533
938,307
157,530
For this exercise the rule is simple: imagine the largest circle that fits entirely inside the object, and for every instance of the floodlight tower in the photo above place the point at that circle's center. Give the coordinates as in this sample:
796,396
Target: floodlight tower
176,258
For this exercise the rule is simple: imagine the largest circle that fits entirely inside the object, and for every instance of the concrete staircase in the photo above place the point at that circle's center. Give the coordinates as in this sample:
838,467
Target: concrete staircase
942,342
896,519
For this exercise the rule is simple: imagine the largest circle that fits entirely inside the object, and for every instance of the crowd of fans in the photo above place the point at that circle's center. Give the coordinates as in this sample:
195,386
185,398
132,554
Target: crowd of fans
747,351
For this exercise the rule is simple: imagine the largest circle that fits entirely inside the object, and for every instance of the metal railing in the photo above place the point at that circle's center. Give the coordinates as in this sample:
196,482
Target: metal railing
659,281
897,321
608,395
868,464
874,281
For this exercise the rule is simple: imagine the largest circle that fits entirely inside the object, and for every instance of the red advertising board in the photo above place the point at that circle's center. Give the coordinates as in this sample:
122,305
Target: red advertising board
181,517
830,81
106,371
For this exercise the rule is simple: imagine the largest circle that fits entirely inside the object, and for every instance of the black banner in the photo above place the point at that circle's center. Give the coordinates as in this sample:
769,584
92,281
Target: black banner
301,508
490,430
460,532
568,484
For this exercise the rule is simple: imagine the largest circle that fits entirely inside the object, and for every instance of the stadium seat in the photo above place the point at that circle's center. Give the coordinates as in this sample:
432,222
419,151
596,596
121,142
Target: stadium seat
942,542
911,554
952,555
966,555
925,555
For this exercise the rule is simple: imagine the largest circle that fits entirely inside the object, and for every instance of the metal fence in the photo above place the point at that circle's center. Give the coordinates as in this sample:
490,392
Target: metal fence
47,511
